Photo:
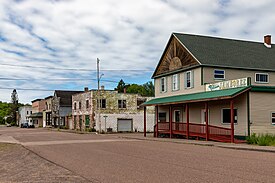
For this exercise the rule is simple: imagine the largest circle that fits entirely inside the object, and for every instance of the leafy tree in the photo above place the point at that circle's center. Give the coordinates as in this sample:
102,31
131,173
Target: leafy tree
14,105
149,88
120,87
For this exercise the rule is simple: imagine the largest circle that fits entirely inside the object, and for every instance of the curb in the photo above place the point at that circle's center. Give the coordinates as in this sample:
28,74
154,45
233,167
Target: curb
213,144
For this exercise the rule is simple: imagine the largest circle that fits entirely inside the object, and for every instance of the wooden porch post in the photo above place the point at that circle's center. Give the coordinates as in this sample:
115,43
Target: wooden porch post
187,120
206,121
157,120
170,120
232,119
144,122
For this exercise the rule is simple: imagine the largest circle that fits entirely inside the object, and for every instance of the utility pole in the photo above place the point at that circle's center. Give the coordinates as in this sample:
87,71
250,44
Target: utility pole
98,96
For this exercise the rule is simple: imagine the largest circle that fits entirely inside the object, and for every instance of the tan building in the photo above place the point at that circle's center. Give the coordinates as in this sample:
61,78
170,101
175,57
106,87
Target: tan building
47,113
36,117
215,88
118,112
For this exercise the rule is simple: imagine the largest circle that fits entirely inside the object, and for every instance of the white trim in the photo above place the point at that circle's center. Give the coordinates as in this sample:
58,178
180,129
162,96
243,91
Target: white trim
261,74
229,122
219,74
267,45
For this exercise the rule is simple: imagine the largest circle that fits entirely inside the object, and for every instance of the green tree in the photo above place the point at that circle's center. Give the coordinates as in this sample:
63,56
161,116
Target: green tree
149,88
120,86
14,105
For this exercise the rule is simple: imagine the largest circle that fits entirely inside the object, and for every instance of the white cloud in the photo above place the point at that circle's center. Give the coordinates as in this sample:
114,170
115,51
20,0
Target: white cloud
124,34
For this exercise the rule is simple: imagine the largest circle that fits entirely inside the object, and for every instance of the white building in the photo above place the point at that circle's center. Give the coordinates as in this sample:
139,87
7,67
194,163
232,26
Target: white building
24,114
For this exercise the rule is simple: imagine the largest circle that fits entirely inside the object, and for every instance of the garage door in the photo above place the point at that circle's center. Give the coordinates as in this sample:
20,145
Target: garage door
124,125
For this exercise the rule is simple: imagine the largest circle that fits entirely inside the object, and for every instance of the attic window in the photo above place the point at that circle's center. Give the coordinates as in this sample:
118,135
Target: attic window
219,74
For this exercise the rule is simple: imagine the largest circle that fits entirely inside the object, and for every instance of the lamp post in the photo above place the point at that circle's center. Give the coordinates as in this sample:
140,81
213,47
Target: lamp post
105,122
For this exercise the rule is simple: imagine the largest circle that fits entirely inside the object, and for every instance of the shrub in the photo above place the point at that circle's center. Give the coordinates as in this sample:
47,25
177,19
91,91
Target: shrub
262,139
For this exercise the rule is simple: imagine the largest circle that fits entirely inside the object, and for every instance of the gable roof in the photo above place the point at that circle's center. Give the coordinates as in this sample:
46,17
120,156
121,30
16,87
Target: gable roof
65,96
222,52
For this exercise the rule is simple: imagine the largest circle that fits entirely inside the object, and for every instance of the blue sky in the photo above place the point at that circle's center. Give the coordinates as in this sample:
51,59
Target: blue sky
127,36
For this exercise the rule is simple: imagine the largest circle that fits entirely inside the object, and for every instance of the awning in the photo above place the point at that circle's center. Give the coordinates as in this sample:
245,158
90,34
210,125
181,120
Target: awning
198,97
37,115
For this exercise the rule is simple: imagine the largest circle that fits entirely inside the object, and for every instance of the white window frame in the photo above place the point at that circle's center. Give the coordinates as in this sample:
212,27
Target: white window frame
175,82
273,123
234,116
261,74
164,85
190,79
219,74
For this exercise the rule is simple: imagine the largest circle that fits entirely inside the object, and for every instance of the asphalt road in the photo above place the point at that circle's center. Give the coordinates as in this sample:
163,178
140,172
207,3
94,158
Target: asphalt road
107,158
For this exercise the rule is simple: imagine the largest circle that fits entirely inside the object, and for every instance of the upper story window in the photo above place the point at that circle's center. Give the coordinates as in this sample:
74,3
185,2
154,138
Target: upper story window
175,82
27,112
87,104
121,104
79,105
261,78
30,112
189,79
75,106
163,84
219,74
102,103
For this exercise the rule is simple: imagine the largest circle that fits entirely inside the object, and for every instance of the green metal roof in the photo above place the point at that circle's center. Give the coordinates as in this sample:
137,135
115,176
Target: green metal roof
222,52
196,97
270,89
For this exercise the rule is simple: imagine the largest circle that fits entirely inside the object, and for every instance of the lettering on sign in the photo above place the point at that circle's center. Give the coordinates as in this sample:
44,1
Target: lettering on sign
227,84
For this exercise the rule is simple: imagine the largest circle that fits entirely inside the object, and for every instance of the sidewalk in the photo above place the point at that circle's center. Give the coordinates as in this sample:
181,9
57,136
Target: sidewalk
247,147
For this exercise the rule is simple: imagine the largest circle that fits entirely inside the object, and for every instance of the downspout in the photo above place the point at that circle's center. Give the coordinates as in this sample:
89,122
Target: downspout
248,107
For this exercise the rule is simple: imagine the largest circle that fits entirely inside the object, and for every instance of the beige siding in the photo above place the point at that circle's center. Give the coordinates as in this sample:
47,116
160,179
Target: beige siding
215,113
262,105
208,75
197,85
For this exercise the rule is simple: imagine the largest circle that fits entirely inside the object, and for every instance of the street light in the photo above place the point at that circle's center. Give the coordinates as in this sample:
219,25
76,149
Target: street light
98,94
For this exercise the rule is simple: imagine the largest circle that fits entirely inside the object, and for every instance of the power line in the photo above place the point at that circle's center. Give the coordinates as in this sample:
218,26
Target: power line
29,89
74,69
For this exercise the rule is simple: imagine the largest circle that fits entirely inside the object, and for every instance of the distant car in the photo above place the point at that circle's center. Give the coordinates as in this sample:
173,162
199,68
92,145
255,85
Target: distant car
25,125
8,125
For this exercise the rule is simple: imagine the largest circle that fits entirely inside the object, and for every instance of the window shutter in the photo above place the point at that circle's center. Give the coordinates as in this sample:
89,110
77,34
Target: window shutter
160,85
165,84
192,79
172,82
178,81
185,80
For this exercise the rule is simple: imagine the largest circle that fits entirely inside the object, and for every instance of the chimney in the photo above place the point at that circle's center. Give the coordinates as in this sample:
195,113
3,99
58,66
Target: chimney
267,41
124,90
86,89
102,87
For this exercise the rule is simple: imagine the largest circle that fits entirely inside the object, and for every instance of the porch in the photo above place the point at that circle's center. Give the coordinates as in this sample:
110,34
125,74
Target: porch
198,125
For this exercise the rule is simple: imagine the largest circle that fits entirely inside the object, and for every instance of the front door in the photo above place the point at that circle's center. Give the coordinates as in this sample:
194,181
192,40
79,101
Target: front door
203,120
177,118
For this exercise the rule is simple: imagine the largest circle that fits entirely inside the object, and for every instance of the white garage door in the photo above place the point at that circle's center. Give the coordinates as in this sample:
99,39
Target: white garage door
124,125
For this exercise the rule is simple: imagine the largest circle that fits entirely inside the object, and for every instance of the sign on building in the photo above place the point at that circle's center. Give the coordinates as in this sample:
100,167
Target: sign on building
235,83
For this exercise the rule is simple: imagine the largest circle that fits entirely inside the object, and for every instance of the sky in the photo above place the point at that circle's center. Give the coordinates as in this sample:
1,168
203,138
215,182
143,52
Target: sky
47,45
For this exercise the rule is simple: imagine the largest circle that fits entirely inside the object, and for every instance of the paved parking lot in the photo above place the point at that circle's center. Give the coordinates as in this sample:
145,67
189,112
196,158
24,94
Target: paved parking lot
107,158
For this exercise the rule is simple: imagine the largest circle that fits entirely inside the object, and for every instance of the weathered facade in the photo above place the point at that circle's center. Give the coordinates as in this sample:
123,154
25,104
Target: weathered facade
47,113
62,107
214,88
117,112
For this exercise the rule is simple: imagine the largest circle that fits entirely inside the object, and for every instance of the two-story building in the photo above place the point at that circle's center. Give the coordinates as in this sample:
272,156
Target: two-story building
108,110
38,106
47,113
61,107
24,114
214,88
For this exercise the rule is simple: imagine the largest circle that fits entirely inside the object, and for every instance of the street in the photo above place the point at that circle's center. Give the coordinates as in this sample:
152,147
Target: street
108,158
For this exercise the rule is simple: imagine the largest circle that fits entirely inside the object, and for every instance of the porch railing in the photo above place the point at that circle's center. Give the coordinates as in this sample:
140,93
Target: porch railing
195,130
